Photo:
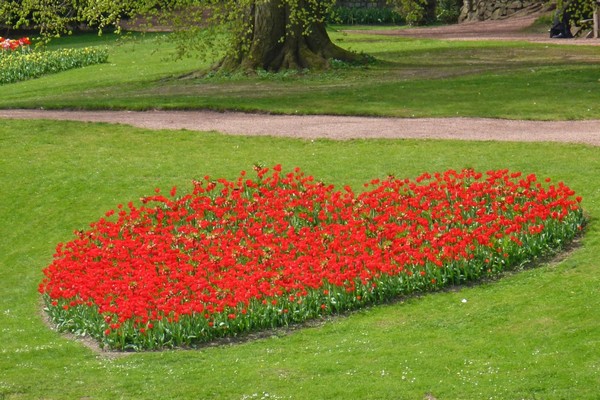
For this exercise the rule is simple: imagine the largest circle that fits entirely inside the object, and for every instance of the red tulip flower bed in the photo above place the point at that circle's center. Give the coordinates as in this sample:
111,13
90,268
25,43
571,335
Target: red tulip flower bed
250,254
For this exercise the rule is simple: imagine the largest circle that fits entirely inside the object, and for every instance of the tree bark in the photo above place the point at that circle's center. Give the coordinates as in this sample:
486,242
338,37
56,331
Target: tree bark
276,42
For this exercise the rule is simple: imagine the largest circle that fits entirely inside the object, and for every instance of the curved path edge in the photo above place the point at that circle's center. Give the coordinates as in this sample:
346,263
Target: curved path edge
335,127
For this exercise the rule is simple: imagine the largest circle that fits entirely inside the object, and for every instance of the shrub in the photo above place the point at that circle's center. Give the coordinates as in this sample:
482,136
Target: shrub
365,16
448,11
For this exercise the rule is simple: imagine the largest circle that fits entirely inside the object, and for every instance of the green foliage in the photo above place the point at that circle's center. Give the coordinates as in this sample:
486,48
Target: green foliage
413,11
578,10
53,18
447,11
22,65
365,16
423,12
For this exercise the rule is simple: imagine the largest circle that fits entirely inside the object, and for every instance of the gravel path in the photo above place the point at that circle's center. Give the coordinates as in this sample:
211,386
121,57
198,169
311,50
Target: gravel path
336,127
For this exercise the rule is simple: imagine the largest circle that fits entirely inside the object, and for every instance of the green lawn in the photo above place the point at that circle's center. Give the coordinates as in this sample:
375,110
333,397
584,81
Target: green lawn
411,78
530,335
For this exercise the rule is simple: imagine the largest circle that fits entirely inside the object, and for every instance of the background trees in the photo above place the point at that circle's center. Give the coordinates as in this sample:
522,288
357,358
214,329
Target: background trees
266,34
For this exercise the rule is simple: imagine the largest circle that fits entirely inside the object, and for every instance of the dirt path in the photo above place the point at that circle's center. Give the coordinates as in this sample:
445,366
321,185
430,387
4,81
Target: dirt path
336,127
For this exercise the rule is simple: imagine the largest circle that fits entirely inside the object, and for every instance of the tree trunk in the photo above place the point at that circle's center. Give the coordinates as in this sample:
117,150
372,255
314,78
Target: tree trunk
277,42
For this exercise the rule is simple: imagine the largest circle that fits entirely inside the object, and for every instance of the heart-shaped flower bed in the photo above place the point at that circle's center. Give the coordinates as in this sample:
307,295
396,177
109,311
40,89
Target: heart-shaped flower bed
250,254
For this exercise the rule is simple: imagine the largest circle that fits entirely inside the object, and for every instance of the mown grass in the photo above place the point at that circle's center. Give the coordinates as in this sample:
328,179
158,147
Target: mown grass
412,78
530,335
